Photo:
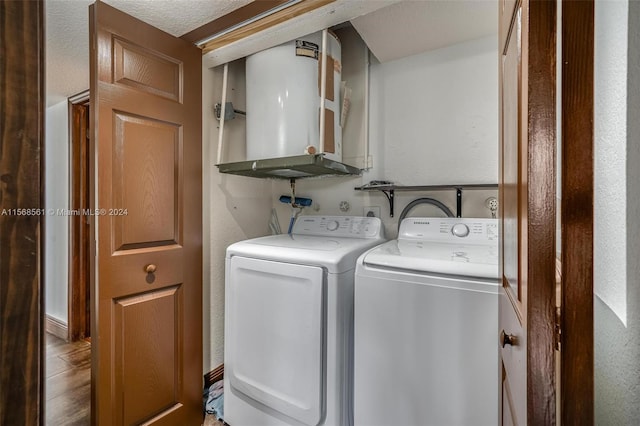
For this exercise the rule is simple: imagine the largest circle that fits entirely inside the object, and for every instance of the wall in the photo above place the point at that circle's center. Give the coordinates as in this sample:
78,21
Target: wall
617,201
433,121
610,155
235,207
56,197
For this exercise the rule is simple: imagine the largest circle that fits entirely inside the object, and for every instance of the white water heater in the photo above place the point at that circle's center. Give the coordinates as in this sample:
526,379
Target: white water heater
283,99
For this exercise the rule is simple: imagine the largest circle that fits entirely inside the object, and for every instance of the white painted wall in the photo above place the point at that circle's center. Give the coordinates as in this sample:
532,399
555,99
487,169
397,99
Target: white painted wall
56,197
617,202
610,153
433,121
235,207
434,115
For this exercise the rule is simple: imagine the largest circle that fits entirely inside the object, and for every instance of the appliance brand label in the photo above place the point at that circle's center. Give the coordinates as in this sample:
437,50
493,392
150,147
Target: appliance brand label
306,48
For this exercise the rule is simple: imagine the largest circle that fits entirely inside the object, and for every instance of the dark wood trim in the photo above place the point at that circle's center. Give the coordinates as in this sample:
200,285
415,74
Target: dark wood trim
56,327
21,187
93,64
235,17
577,353
214,375
541,183
78,286
264,23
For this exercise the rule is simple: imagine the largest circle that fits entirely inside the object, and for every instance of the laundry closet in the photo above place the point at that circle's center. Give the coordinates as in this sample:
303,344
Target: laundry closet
423,112
432,120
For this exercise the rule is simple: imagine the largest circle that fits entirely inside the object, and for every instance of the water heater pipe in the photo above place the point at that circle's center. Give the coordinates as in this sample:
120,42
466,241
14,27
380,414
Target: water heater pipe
367,85
323,88
222,111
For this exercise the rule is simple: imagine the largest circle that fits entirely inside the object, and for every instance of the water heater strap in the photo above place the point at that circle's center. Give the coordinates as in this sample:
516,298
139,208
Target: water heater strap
323,89
223,111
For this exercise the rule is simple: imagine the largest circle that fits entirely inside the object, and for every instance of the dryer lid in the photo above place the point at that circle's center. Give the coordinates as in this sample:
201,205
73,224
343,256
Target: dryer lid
331,242
335,254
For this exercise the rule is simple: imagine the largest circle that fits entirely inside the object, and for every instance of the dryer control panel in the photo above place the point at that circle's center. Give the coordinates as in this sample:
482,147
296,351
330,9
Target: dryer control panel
450,230
339,226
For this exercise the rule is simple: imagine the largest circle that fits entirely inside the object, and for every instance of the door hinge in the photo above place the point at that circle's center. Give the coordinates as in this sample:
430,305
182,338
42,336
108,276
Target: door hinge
558,329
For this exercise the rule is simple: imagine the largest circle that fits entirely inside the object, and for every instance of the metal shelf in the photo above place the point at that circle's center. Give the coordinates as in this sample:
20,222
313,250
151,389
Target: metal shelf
299,166
389,188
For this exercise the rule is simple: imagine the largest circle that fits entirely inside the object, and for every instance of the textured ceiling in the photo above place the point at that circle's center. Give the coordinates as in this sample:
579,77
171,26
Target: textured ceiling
67,33
416,26
402,29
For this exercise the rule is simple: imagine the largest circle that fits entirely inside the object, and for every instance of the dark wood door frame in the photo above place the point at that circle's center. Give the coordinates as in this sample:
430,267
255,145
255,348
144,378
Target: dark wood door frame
22,101
577,341
79,235
541,203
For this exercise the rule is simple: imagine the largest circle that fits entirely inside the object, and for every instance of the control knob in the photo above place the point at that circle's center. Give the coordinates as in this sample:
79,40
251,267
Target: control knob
460,230
332,225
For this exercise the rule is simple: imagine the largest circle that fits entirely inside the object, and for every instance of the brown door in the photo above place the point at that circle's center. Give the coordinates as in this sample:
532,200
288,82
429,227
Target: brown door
147,298
527,192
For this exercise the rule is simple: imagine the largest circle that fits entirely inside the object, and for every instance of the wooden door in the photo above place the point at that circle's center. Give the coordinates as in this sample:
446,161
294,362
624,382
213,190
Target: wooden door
147,295
527,200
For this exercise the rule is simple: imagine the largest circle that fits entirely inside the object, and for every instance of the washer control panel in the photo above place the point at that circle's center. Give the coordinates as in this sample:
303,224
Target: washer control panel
339,226
450,229
460,230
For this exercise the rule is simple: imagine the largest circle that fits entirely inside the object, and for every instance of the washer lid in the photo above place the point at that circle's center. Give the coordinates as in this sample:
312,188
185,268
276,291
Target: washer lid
471,260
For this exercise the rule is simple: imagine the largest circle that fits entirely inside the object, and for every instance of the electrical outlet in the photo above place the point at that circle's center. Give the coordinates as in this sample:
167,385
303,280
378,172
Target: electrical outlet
371,211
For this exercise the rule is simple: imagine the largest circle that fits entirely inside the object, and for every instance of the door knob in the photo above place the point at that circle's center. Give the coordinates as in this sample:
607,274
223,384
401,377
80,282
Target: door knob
507,339
150,268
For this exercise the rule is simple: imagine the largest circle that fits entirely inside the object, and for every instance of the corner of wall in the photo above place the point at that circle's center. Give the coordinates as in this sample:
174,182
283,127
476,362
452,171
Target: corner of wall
56,197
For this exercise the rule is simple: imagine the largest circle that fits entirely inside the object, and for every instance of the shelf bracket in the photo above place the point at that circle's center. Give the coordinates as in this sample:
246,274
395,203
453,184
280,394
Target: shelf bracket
390,194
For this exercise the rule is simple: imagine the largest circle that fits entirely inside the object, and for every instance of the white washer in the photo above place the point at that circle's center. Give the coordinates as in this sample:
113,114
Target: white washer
426,321
289,323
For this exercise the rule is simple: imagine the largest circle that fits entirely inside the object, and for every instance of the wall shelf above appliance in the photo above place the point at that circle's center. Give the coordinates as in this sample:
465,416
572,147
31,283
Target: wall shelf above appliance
298,166
389,188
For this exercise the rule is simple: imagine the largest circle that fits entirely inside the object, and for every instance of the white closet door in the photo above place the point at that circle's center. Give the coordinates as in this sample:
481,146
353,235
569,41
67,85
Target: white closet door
275,343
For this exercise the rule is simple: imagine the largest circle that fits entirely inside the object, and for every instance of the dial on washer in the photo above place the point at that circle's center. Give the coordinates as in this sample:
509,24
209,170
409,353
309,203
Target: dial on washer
460,230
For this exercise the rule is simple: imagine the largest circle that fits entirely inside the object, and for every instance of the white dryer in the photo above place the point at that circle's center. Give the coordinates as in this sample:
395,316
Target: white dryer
289,323
426,321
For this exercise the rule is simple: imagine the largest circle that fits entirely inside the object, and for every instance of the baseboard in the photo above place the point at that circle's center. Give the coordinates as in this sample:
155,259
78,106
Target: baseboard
56,327
214,375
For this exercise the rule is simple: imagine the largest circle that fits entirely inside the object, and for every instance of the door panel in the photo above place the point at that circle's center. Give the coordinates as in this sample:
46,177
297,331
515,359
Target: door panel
511,182
147,179
147,362
513,364
527,211
146,121
146,70
512,313
507,416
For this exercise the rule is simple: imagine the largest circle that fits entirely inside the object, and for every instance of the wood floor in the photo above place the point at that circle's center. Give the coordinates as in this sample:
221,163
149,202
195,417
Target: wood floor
68,382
